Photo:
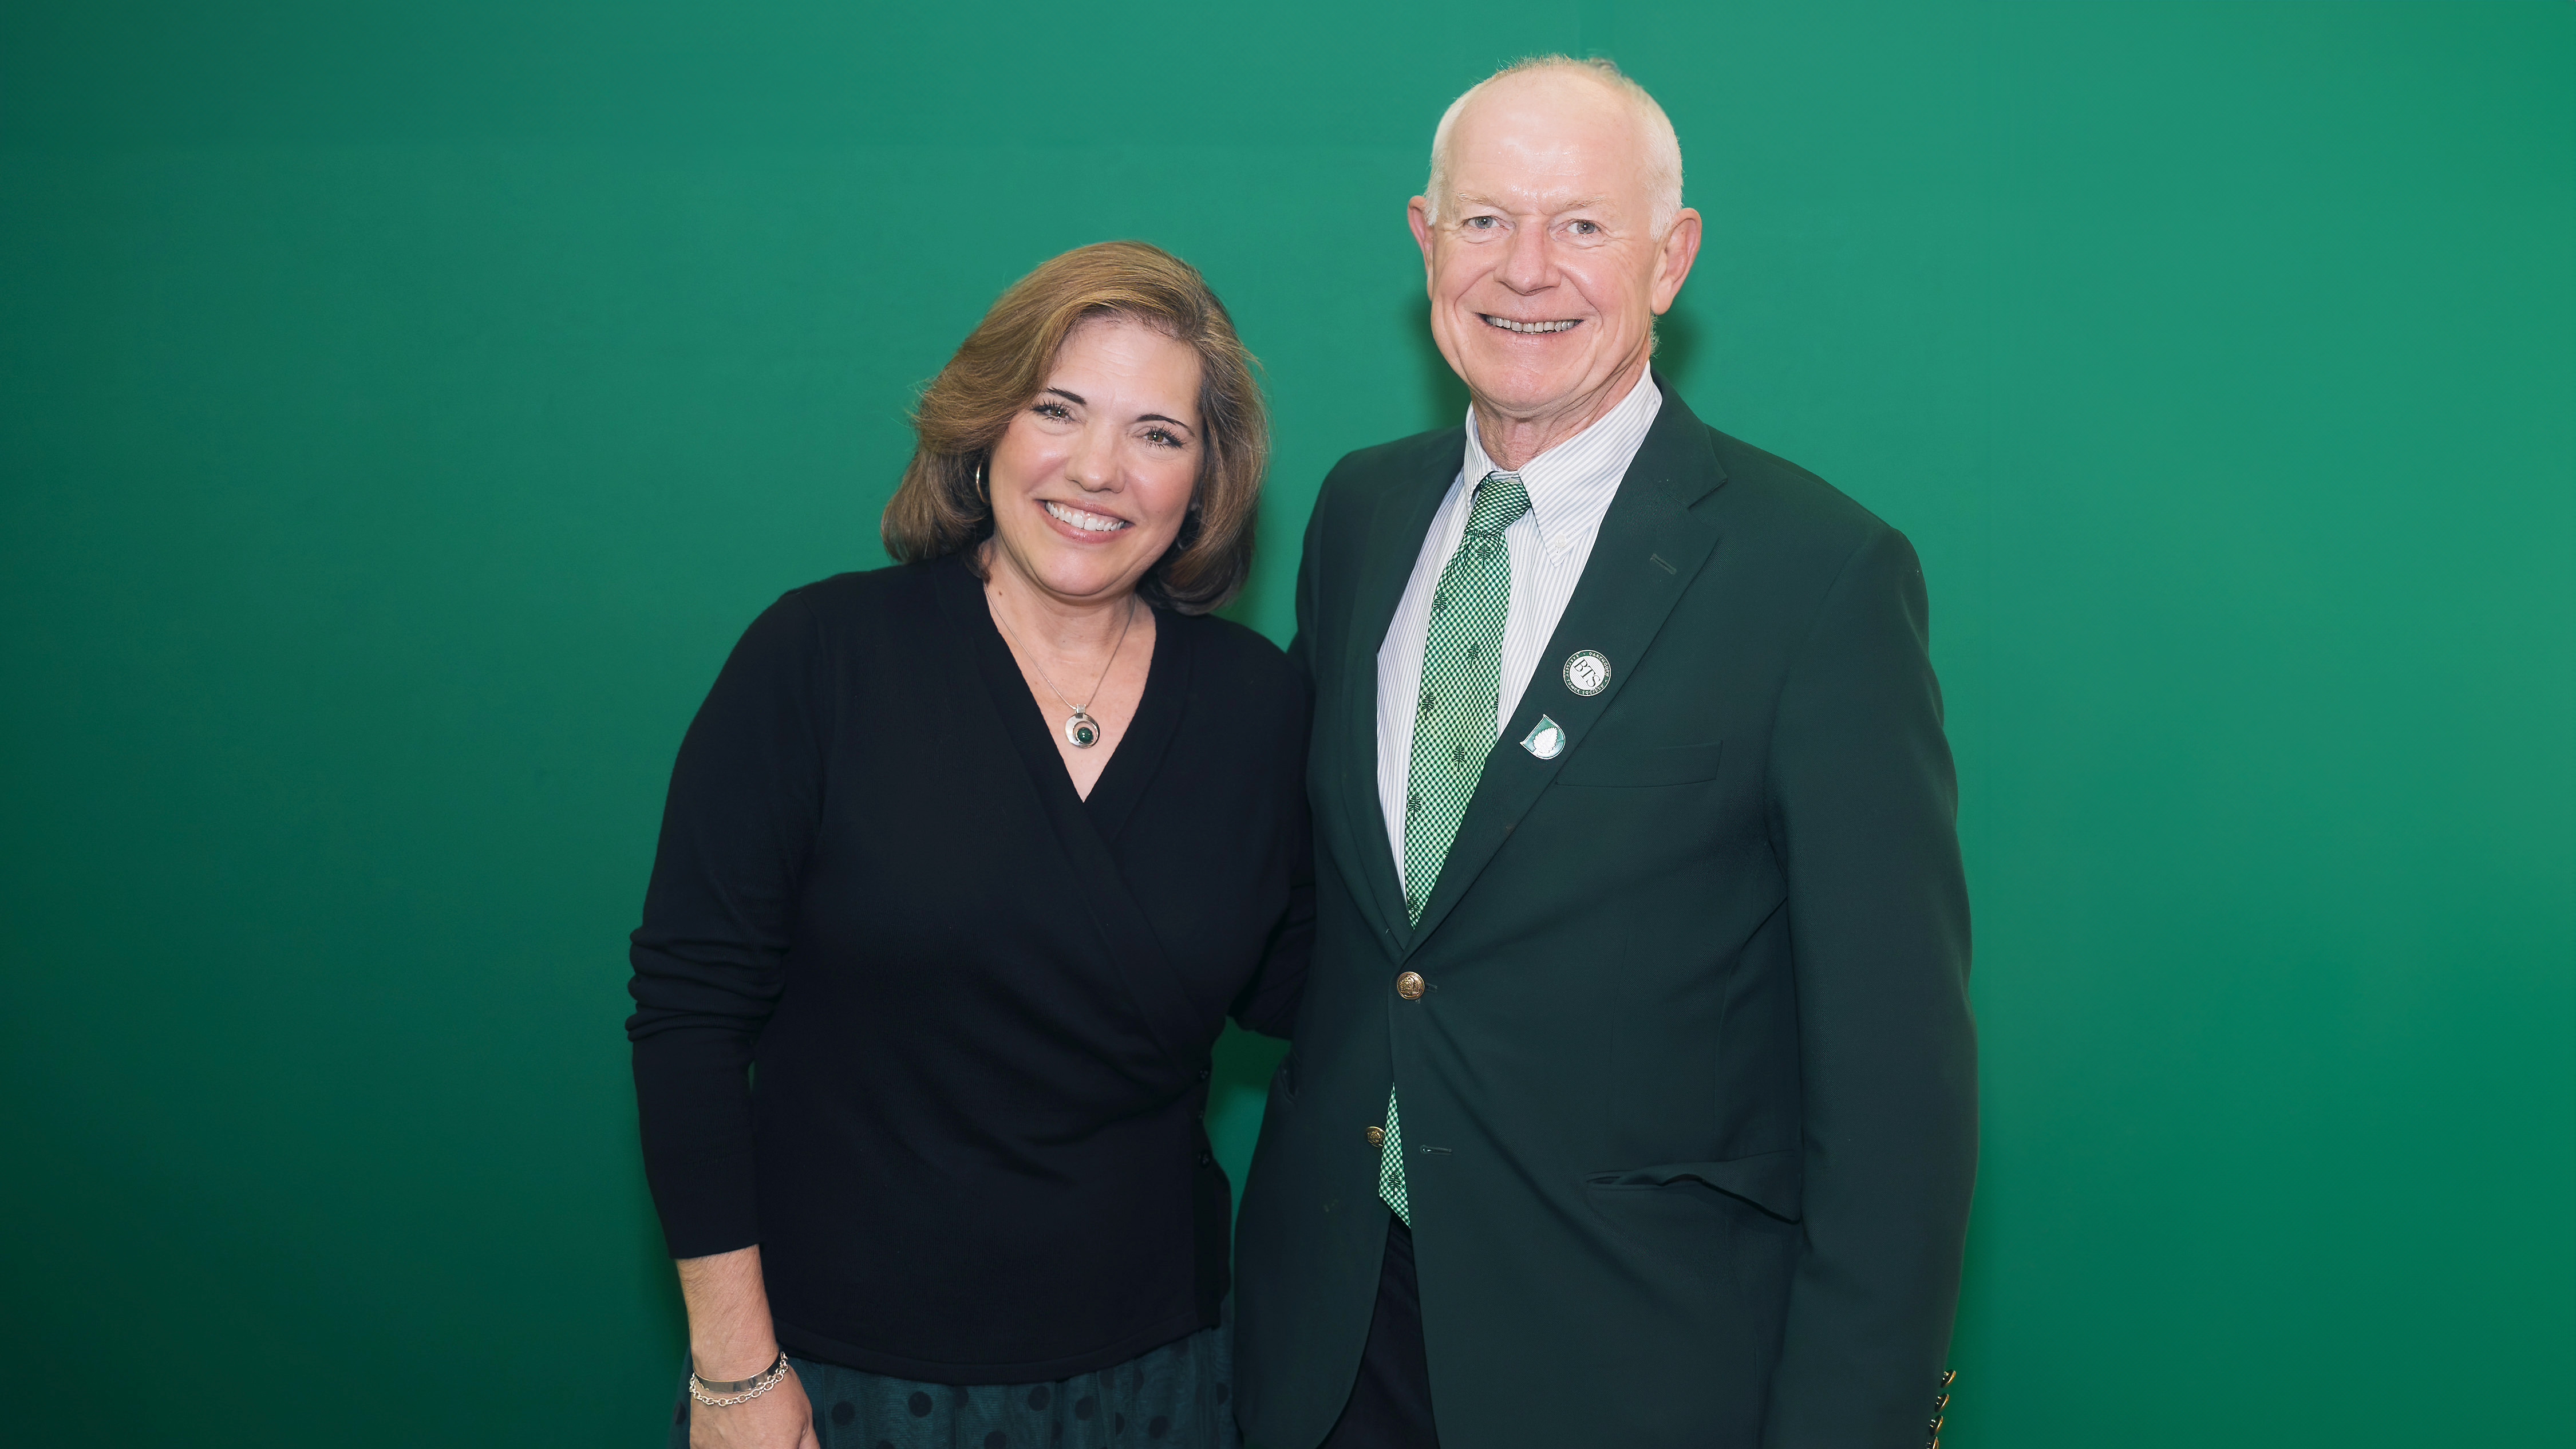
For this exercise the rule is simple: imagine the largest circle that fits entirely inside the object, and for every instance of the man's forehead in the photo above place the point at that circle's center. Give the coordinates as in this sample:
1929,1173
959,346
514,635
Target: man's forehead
1551,149
1538,198
1544,174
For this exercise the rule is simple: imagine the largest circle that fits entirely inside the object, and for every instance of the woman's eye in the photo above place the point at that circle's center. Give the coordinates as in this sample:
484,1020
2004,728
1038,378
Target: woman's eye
1055,410
1161,439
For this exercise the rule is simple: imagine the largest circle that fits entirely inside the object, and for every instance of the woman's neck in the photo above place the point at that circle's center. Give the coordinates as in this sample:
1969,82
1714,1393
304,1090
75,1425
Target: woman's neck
1069,628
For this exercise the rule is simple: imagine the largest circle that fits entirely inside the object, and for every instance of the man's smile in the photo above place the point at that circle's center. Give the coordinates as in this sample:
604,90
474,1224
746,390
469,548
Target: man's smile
1508,325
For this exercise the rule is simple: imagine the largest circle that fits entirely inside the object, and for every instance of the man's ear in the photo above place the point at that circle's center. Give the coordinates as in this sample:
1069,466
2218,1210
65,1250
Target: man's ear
1417,214
1673,263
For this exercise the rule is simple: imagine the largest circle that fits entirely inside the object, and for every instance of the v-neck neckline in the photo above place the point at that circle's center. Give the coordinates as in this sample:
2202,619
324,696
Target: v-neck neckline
1137,755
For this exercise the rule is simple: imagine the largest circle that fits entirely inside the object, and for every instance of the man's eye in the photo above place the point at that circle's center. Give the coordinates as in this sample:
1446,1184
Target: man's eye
1482,223
1586,228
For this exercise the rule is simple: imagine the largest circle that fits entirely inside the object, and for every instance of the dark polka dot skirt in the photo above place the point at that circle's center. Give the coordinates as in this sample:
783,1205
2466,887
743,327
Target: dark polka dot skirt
1179,1396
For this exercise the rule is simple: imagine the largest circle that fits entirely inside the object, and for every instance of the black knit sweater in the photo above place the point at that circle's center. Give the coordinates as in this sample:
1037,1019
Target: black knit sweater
978,1006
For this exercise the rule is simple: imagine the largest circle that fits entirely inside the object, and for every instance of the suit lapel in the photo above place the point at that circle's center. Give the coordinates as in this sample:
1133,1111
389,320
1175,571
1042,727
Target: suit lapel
1649,549
1389,544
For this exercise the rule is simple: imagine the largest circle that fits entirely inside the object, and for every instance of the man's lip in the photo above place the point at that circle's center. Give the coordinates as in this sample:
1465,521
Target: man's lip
1518,323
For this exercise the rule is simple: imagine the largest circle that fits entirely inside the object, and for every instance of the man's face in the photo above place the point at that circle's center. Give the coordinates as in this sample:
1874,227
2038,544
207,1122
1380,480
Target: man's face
1544,271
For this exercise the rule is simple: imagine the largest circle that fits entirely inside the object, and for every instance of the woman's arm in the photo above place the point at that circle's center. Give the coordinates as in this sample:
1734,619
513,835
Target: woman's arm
746,796
1269,1001
710,956
730,1339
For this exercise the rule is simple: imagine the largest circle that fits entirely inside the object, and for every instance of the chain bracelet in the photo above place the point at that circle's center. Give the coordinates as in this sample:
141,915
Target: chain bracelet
760,1384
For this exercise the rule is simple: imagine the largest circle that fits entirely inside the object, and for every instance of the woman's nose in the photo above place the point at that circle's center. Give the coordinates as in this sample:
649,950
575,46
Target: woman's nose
1093,464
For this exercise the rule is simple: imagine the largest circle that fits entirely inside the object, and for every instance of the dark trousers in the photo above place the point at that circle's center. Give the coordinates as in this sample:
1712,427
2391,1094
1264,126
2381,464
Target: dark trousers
1390,1405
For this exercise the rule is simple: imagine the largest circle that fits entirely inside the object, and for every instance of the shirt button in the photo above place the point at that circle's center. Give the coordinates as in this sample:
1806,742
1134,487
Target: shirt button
1409,986
1206,1158
1376,1135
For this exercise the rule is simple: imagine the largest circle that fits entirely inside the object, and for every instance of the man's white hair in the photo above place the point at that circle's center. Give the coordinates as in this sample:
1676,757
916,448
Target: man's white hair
1663,148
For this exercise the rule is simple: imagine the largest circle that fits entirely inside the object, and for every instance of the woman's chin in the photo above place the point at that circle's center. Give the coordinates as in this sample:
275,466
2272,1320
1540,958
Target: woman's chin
1075,571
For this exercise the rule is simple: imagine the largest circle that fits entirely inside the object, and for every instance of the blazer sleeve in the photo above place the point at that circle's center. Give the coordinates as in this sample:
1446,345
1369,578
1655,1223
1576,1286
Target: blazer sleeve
1864,809
746,797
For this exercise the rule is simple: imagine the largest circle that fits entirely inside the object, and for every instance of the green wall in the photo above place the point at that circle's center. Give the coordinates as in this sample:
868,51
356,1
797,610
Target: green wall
400,415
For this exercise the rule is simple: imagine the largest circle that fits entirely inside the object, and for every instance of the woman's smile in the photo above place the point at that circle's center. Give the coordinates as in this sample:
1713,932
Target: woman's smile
1084,519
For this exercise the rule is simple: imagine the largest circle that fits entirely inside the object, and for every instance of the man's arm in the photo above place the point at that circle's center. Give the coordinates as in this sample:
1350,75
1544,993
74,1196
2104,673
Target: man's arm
1864,806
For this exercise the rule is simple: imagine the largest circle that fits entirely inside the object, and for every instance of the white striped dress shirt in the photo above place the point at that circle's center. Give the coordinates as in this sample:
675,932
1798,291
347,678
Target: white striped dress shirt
1570,488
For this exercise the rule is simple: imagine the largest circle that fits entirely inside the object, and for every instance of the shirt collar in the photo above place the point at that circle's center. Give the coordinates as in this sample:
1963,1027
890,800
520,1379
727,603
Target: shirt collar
1570,485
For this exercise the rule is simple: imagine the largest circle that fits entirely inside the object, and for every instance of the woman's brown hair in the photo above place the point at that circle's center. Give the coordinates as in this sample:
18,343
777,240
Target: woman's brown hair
943,507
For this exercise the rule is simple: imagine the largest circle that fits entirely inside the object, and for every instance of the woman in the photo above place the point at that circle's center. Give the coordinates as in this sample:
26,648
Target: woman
968,859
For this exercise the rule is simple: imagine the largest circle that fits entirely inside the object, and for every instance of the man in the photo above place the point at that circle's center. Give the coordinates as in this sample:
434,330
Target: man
1633,1094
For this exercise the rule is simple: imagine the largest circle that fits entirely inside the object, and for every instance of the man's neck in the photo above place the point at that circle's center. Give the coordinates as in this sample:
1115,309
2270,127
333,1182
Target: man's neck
1512,439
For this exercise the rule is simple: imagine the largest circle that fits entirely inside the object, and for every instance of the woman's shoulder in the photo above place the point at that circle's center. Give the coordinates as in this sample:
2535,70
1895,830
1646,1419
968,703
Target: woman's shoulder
864,592
845,613
1242,661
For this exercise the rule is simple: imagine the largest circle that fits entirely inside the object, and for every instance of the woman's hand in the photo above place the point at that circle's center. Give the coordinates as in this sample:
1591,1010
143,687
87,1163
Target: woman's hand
779,1419
730,1339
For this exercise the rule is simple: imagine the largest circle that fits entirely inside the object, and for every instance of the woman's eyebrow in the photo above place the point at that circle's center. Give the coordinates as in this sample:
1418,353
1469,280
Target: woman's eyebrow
1072,397
1159,418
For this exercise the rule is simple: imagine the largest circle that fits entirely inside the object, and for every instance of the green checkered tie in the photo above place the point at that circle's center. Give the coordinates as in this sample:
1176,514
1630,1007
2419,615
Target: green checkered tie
1453,726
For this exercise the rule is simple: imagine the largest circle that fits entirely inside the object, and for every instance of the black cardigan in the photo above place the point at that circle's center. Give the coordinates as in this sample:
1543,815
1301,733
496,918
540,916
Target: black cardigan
979,1006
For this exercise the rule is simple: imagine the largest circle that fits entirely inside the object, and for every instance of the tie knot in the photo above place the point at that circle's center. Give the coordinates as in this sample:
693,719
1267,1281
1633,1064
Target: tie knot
1500,501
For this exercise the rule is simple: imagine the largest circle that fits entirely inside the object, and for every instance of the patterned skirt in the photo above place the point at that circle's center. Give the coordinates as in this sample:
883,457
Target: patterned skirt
1179,1396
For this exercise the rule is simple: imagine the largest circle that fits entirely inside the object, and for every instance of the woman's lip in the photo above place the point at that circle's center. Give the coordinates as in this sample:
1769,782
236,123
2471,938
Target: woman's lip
1076,531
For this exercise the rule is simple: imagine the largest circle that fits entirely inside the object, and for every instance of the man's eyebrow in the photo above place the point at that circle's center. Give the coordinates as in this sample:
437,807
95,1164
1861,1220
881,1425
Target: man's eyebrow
1072,397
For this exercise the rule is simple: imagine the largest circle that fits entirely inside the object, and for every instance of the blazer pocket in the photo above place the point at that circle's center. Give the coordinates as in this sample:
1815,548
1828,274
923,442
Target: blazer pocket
1614,766
1771,1181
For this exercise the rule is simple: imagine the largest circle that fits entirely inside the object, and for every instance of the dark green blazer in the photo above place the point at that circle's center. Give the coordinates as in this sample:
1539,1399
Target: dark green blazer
1690,1098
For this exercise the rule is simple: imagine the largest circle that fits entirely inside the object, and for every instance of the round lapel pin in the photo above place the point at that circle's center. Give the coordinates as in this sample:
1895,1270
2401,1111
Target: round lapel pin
1587,673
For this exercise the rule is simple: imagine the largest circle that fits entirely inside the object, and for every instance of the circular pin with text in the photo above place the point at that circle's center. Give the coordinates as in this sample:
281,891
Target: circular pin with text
1586,672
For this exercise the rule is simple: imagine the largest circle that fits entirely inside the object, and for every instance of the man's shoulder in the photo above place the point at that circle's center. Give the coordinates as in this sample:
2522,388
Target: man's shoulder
1793,497
1434,454
1407,454
1790,507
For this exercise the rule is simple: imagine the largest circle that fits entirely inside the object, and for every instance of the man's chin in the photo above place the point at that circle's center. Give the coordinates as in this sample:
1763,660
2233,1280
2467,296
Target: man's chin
1522,386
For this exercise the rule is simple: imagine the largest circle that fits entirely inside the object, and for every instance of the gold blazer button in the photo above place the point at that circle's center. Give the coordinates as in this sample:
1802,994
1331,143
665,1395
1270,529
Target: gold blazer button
1409,986
1376,1135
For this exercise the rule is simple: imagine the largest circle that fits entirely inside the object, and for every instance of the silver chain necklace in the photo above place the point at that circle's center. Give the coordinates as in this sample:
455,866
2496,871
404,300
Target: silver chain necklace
1080,730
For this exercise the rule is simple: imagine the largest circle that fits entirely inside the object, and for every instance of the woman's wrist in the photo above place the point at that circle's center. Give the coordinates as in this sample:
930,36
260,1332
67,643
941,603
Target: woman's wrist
730,1363
724,1394
730,1337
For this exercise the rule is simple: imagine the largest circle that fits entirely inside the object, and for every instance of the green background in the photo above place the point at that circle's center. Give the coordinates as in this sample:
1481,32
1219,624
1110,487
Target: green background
401,413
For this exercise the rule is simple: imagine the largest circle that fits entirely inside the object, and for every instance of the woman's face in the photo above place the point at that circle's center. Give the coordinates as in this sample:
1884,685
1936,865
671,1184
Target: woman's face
1092,480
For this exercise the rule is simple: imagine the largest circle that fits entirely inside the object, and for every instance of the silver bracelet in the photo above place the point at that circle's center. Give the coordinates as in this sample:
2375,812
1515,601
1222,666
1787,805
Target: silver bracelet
726,1394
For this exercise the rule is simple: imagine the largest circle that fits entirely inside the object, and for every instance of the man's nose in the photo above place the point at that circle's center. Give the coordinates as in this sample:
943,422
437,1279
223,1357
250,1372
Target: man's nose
1528,267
